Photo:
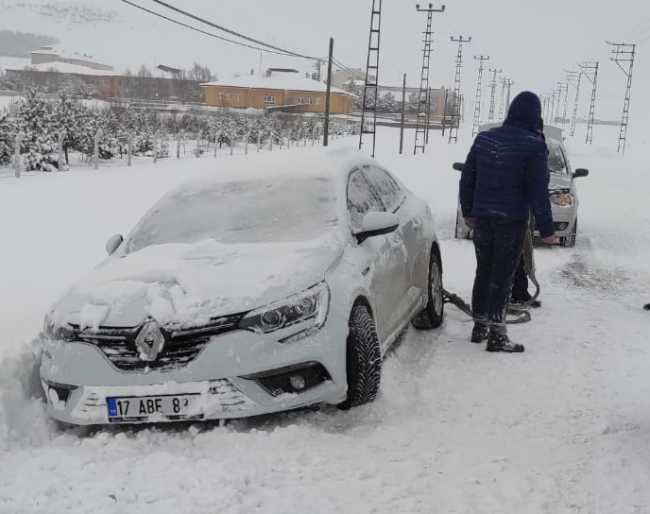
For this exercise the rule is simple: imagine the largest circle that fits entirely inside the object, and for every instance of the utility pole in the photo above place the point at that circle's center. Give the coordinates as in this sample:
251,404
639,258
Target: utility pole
401,130
455,99
509,84
477,100
326,125
624,52
564,90
552,109
590,70
574,78
370,89
424,97
545,102
503,99
493,88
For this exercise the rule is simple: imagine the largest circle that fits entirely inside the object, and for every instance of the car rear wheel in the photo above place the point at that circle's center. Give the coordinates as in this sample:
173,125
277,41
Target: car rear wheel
570,240
363,363
431,316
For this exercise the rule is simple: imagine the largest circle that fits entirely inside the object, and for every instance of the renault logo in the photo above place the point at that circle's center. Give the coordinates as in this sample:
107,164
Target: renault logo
150,341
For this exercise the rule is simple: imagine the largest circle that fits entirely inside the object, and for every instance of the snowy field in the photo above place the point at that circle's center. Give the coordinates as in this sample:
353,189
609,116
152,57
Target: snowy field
562,428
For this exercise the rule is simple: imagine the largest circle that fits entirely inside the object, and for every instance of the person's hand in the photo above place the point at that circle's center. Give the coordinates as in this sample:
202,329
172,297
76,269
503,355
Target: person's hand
469,222
549,240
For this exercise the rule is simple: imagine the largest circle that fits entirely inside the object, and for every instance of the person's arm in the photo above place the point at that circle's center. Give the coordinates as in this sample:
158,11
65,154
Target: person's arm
468,184
537,177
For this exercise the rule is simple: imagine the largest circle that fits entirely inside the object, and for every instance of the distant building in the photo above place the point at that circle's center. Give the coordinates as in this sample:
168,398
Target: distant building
342,77
47,54
50,69
278,89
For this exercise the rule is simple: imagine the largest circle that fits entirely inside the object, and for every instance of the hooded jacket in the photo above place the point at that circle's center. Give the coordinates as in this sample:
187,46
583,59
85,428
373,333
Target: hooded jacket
505,174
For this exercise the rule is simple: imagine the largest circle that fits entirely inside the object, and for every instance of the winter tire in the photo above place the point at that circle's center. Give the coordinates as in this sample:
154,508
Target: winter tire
363,362
431,316
570,240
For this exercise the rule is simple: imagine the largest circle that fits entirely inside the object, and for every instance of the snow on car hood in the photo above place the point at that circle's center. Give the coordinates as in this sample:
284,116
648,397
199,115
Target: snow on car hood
559,181
188,284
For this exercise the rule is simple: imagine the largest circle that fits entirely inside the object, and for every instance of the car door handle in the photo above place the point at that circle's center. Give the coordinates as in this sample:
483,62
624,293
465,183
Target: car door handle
417,225
396,242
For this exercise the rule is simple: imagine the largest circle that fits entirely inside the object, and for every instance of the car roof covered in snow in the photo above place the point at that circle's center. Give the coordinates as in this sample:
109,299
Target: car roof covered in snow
324,162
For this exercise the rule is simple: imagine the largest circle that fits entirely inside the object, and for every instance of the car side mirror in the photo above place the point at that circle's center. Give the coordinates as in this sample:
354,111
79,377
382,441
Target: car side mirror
580,172
376,224
459,166
113,243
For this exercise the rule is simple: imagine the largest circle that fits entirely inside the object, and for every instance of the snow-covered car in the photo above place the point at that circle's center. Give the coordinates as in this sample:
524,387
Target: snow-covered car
561,188
246,295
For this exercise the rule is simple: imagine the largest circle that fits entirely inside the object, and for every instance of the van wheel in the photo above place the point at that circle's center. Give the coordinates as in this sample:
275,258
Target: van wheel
363,362
431,316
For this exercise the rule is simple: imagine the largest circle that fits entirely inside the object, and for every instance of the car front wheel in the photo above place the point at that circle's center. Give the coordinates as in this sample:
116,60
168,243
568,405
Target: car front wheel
431,316
363,363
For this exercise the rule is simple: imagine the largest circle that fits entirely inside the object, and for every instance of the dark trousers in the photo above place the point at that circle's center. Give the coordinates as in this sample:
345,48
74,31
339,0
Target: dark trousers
498,245
520,284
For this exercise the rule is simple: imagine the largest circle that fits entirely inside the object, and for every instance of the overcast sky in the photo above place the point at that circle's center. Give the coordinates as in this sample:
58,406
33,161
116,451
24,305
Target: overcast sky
532,42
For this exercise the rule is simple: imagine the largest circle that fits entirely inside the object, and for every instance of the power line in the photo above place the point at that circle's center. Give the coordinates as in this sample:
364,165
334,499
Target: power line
202,31
234,33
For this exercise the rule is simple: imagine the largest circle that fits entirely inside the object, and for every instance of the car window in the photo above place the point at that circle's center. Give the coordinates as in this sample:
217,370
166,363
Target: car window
361,199
556,162
385,188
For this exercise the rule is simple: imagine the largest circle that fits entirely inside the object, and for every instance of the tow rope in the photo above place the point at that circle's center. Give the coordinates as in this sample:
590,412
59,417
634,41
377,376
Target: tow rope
515,315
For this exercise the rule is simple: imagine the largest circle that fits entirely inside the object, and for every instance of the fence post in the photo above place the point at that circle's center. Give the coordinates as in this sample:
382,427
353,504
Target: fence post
19,141
216,143
198,145
313,136
178,145
98,134
248,136
271,143
60,148
259,139
129,150
155,147
232,142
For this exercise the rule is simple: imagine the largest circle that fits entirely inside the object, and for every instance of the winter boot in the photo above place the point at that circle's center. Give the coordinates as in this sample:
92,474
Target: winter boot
501,343
479,333
526,302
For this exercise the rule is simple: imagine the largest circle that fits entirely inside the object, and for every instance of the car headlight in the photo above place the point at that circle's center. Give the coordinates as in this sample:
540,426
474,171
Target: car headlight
562,199
311,304
56,332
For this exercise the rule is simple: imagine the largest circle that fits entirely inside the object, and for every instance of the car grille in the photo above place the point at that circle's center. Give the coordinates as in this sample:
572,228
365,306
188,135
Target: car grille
182,345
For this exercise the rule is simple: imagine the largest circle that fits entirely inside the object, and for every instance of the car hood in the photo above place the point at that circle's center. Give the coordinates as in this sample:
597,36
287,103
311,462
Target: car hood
188,284
559,181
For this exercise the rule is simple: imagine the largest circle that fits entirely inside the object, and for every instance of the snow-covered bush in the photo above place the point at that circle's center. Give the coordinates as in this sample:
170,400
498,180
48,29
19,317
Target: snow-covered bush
7,138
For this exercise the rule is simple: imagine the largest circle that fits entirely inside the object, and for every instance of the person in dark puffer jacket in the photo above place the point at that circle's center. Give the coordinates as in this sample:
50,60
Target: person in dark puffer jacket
504,178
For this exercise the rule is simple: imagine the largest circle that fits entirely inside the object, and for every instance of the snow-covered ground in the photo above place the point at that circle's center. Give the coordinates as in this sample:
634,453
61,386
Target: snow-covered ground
562,428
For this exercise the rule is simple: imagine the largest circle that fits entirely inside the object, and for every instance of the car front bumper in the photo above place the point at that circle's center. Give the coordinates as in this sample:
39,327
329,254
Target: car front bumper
236,375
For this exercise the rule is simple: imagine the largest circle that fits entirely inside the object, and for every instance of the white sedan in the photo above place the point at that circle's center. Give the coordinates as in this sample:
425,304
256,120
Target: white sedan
239,297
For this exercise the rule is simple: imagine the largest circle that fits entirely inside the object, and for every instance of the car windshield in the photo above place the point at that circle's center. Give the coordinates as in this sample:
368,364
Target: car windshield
556,162
252,211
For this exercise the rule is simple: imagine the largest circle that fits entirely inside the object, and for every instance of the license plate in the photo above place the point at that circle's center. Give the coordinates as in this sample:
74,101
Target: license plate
133,408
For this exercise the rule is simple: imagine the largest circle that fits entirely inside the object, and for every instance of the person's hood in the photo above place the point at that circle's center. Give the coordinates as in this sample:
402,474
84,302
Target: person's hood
189,284
525,111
